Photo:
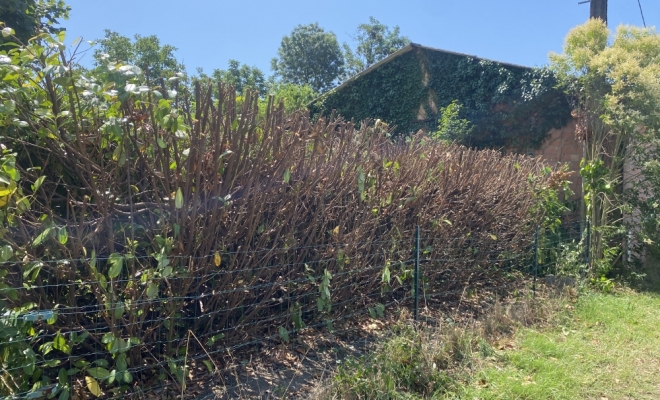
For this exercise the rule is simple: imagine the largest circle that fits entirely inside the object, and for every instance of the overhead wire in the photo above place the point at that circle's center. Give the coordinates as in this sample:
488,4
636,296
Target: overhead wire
641,12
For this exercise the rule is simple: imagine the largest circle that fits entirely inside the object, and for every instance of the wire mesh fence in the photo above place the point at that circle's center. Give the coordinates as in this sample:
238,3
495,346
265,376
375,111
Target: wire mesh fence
153,326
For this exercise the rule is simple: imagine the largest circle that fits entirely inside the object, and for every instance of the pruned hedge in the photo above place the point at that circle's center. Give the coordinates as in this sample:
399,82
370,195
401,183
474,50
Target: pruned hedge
134,218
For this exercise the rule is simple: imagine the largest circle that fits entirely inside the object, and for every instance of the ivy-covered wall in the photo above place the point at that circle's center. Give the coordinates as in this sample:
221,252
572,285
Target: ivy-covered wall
508,106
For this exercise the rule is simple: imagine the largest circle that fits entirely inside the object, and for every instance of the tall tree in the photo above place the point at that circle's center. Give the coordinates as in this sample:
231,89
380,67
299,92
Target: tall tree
242,77
309,56
29,17
143,51
375,41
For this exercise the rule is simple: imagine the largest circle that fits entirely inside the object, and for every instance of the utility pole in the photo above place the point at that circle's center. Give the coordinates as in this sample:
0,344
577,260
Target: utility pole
599,10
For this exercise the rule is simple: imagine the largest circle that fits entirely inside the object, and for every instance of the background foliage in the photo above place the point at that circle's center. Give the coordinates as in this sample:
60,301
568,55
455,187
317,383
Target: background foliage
508,106
374,42
613,82
30,17
309,56
145,52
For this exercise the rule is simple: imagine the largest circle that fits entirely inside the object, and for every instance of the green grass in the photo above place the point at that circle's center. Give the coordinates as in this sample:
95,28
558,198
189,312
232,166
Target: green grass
607,347
603,346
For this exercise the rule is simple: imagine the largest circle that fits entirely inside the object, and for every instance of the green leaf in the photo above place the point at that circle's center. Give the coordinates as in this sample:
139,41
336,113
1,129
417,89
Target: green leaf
161,143
62,376
121,361
93,386
178,199
119,309
380,309
284,334
152,290
215,338
7,32
209,366
60,343
107,338
6,252
99,373
361,183
64,395
42,236
386,275
116,262
287,176
38,183
113,375
62,80
62,235
52,363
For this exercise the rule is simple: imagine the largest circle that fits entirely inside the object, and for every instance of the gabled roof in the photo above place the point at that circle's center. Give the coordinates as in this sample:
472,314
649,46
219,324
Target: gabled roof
408,48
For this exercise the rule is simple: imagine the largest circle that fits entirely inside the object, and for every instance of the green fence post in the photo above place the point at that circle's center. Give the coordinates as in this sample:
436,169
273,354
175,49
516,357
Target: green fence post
416,282
536,258
587,254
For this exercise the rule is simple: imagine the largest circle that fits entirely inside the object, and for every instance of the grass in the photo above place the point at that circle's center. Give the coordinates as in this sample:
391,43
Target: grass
598,346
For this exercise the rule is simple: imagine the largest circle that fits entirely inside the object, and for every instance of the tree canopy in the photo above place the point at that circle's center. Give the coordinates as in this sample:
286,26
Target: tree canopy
241,76
375,41
29,17
613,81
309,56
145,52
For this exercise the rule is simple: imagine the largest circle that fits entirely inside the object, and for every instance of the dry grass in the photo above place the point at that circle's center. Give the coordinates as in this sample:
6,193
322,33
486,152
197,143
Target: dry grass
431,361
598,346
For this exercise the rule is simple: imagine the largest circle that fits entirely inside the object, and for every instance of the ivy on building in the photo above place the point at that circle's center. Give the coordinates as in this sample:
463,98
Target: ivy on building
508,106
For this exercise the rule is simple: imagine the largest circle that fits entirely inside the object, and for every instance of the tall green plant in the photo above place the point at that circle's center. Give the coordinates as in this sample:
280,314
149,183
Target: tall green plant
613,81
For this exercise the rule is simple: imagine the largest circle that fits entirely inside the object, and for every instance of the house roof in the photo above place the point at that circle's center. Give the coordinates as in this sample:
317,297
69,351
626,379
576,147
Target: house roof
403,51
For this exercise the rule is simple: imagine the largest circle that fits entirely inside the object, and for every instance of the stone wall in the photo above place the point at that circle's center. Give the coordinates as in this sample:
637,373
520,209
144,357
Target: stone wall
562,147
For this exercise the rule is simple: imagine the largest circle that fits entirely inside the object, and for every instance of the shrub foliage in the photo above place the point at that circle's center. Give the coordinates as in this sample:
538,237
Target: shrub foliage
132,214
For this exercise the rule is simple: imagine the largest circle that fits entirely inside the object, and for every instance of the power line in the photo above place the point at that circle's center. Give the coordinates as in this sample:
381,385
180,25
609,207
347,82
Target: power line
641,12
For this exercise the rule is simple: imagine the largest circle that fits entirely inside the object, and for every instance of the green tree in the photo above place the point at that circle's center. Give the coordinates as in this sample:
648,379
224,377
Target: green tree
451,127
613,80
309,56
145,52
295,97
375,41
29,17
241,77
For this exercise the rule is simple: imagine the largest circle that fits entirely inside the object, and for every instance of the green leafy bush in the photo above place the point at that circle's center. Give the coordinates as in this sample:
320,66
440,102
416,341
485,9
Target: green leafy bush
507,106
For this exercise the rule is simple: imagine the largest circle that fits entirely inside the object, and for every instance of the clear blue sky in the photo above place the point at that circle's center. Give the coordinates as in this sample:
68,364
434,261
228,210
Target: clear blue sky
208,33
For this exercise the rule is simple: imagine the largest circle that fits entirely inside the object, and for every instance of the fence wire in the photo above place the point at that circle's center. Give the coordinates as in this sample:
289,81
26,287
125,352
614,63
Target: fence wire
145,331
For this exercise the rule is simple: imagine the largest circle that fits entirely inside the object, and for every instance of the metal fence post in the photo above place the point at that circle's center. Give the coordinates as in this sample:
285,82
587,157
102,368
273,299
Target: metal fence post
536,258
587,254
416,282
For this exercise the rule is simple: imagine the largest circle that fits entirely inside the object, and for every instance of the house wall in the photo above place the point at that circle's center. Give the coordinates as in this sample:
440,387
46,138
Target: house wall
562,147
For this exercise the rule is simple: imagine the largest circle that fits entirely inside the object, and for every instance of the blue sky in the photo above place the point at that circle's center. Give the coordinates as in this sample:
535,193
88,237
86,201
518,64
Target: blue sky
208,33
